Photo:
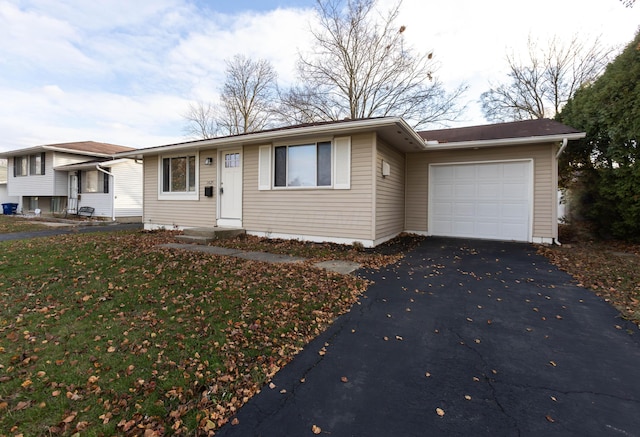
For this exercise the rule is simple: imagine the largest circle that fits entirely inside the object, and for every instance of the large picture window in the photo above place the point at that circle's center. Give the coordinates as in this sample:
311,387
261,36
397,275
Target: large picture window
306,165
323,164
179,174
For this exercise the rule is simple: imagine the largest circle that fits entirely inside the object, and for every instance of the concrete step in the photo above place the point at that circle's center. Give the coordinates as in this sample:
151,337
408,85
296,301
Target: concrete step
207,235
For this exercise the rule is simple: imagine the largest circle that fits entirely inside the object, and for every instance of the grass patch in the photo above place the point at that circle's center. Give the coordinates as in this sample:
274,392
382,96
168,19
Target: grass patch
15,223
108,333
608,268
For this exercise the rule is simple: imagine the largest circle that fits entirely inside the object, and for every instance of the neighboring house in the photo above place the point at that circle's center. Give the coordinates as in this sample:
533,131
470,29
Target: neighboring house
59,178
4,194
362,181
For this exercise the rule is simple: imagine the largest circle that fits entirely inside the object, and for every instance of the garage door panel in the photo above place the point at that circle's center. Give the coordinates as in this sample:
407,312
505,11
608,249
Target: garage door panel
464,209
483,200
489,190
487,210
464,191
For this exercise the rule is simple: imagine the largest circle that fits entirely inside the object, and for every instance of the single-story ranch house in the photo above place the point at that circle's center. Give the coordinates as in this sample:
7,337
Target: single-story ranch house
362,181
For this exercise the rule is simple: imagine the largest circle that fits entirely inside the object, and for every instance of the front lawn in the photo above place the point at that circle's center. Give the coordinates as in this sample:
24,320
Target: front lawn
108,333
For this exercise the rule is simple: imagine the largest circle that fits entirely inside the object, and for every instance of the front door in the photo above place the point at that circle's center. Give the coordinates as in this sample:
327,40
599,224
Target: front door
72,200
230,188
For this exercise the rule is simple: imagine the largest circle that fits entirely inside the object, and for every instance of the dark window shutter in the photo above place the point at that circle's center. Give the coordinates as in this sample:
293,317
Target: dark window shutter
42,166
79,181
15,166
105,185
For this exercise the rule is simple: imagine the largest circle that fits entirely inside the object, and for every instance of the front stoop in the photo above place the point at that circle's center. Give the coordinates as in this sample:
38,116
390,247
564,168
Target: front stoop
208,235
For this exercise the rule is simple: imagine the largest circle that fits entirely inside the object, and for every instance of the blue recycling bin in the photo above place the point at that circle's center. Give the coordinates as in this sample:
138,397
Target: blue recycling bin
9,208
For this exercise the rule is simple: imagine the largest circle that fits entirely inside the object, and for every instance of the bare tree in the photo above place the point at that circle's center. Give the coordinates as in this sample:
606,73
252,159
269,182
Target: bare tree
200,117
248,96
360,67
539,86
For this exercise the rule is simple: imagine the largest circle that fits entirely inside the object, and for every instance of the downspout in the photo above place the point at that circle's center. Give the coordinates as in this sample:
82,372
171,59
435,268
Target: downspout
113,191
562,147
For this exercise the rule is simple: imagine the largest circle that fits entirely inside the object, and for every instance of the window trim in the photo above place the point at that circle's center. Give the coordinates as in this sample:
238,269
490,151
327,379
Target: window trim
178,195
289,145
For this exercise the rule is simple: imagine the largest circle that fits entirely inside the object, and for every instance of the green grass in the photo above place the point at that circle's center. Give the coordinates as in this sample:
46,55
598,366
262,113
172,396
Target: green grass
14,223
110,334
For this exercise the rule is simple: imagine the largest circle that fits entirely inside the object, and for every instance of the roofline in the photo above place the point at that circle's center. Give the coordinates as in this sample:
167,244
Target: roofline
255,137
52,148
504,141
91,165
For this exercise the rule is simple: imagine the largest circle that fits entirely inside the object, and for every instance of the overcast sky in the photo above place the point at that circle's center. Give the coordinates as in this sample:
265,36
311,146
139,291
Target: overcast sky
123,71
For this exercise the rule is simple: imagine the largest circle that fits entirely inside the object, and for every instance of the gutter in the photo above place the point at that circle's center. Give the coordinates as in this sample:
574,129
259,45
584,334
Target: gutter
113,191
434,145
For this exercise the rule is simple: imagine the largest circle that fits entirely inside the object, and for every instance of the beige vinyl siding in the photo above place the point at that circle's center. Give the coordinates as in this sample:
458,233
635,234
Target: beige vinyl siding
544,190
180,213
389,209
320,212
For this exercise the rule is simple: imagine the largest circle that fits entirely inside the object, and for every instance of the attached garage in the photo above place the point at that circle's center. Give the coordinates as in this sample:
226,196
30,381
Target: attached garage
491,200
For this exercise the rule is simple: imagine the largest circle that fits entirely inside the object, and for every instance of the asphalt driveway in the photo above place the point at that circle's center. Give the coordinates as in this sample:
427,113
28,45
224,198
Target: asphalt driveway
461,338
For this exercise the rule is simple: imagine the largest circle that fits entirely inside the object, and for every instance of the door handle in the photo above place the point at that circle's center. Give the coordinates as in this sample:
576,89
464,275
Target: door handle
221,190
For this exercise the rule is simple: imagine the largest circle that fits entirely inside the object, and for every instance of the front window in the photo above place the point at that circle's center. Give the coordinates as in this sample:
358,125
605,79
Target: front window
179,174
306,165
36,164
20,166
94,181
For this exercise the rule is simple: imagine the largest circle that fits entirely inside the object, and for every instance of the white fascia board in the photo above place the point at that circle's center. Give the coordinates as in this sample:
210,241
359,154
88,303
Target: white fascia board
505,141
337,129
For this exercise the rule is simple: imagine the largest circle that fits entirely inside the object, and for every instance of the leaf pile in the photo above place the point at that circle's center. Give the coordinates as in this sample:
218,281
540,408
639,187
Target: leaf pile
110,334
608,268
383,255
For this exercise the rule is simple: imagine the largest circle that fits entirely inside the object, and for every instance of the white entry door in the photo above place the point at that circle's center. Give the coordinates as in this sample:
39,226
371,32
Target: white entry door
483,200
230,188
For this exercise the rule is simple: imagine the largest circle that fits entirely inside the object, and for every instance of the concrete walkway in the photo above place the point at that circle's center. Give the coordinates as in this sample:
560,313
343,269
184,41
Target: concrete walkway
343,267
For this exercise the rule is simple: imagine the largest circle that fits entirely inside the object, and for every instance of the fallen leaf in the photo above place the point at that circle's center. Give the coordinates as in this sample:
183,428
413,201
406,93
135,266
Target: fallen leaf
428,375
272,385
440,412
316,429
344,379
70,418
549,418
22,405
467,397
235,421
553,363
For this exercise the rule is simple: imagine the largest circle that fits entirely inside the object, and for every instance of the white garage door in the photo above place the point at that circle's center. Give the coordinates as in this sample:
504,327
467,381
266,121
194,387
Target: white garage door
487,200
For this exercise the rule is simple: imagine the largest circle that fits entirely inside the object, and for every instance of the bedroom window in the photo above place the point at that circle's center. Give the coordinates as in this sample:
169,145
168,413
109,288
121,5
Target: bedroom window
307,165
20,166
36,164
